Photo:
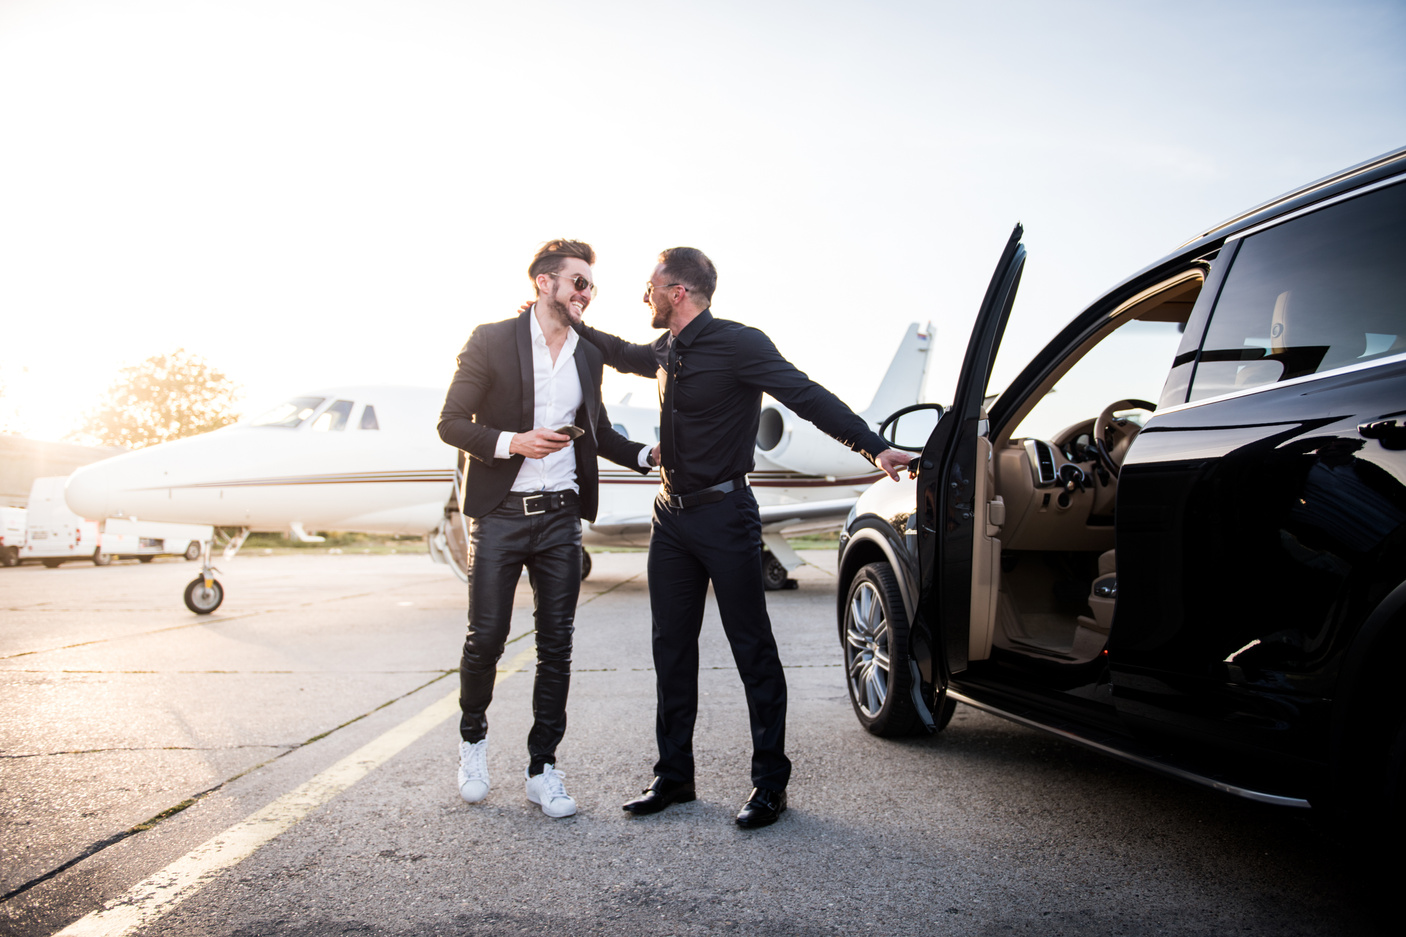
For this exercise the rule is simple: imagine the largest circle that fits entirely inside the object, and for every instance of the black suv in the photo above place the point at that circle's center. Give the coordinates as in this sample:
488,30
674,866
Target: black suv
1211,585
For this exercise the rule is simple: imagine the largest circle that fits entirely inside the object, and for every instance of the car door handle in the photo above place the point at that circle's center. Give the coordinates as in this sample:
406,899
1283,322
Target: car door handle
1390,433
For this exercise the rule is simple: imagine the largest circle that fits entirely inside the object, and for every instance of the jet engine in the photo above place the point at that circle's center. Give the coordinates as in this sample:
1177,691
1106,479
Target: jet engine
788,443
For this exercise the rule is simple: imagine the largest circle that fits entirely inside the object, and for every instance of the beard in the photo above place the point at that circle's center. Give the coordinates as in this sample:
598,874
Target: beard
663,308
563,312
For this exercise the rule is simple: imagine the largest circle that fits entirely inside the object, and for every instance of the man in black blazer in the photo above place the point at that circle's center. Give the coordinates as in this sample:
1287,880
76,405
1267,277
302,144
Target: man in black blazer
528,487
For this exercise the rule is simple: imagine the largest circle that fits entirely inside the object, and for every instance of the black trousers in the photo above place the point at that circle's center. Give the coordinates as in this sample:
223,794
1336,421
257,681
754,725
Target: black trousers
549,545
722,543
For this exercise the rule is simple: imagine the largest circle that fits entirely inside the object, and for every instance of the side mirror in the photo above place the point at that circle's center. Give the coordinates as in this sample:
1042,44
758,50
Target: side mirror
918,422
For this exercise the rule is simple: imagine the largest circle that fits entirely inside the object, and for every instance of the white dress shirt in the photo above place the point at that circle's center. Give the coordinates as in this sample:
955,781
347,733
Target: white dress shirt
556,396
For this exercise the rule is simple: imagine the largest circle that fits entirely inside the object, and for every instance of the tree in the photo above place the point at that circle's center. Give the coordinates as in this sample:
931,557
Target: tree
165,397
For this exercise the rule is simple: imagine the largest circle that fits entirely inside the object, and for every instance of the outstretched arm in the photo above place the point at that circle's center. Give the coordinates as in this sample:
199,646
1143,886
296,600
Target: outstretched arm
618,448
627,357
767,369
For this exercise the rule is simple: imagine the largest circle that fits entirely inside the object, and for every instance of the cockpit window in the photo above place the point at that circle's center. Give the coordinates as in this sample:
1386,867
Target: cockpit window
334,418
289,413
368,418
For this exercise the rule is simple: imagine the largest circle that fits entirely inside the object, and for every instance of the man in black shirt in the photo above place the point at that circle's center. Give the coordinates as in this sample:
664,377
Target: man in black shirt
712,374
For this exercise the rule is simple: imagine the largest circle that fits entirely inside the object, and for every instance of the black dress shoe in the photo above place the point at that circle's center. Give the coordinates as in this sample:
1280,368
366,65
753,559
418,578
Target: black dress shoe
660,794
762,808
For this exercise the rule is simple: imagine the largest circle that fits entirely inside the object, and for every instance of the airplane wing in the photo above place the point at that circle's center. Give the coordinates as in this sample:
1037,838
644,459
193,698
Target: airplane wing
786,515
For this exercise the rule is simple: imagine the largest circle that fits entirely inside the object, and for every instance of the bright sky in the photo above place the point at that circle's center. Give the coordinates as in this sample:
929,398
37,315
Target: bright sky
322,192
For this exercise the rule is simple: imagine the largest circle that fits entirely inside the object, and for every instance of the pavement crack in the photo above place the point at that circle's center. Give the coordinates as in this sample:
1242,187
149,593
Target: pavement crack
236,673
156,748
597,595
201,622
171,811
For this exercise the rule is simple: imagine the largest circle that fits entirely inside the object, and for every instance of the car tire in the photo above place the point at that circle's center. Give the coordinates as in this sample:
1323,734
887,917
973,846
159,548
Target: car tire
874,641
9,556
52,563
100,558
585,564
147,558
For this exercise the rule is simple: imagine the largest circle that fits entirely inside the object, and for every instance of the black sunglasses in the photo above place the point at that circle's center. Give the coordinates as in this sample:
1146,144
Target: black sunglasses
578,281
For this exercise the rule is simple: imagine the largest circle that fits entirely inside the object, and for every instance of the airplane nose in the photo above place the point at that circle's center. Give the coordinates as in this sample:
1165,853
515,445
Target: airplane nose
89,491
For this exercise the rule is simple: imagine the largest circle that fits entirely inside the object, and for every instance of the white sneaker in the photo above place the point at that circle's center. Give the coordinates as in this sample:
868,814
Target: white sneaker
546,789
473,770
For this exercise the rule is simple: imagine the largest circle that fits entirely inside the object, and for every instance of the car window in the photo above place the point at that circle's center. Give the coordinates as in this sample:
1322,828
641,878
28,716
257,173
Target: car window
1129,363
1317,293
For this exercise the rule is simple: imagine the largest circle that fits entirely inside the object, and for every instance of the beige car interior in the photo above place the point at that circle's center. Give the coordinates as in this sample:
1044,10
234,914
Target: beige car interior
1044,577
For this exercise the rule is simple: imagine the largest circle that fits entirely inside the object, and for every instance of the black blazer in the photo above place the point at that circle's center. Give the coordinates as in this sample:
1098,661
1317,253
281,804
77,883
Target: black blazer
492,394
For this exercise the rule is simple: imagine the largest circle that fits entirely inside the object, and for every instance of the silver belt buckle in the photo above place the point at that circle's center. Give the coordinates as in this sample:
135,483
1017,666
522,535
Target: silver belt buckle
527,511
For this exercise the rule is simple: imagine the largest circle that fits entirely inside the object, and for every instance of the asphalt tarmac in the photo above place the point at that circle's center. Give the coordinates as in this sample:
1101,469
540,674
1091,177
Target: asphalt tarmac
286,767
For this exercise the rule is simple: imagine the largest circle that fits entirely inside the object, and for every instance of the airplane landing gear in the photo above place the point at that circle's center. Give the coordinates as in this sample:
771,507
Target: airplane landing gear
774,573
204,595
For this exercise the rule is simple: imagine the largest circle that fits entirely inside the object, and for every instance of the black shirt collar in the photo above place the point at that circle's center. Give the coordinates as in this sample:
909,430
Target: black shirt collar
696,327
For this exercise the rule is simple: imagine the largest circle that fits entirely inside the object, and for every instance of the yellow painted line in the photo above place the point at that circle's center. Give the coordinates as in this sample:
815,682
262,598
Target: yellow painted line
154,897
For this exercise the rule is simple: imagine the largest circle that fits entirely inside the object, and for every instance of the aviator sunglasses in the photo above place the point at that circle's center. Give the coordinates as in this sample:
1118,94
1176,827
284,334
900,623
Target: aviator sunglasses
579,282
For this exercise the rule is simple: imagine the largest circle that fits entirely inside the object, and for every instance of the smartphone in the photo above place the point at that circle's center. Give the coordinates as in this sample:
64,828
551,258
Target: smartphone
575,432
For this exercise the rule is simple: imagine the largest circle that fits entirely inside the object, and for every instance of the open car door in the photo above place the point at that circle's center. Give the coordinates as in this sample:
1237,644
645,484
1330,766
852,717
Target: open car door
952,508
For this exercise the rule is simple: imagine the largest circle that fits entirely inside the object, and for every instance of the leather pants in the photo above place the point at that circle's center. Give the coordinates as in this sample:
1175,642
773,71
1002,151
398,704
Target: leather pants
549,545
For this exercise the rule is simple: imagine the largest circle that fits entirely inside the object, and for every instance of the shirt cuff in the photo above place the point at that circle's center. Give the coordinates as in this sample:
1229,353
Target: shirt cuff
644,456
503,449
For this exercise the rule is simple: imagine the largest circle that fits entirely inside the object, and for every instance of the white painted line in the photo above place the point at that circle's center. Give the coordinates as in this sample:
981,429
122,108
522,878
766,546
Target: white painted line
149,900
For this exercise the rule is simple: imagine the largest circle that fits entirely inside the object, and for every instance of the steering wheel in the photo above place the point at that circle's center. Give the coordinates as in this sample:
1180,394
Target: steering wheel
1112,437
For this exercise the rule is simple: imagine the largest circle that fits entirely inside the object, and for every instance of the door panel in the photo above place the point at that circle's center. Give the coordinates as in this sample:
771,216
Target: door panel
951,485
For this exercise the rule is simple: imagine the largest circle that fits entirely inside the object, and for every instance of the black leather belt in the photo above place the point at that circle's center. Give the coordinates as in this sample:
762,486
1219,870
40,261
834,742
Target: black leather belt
540,502
706,496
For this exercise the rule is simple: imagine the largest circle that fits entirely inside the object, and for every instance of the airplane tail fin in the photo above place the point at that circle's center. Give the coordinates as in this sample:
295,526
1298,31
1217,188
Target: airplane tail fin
902,385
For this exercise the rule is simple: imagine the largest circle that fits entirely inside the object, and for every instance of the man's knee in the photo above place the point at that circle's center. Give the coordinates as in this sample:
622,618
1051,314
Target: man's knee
554,645
481,650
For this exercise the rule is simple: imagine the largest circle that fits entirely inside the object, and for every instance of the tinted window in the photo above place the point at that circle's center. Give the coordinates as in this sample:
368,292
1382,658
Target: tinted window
1320,292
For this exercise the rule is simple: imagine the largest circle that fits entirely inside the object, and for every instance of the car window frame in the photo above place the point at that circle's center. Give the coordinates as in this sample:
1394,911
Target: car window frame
1189,354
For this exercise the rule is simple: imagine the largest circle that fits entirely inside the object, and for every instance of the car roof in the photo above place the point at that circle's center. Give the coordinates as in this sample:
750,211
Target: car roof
1364,173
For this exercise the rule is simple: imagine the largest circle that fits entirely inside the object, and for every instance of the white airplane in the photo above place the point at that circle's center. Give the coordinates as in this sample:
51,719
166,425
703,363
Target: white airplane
368,459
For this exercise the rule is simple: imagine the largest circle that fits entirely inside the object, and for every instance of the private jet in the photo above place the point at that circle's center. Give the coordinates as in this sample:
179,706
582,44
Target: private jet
368,459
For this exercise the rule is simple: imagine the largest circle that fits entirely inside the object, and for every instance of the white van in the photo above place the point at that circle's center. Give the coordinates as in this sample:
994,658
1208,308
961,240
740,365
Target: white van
55,534
11,535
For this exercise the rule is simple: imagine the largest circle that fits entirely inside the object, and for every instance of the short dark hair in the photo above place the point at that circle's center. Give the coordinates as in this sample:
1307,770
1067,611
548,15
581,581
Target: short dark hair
552,256
691,267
